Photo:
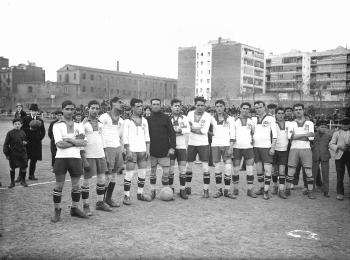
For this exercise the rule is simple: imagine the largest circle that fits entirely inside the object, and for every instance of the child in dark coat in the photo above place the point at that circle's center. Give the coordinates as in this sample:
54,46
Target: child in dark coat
321,155
15,151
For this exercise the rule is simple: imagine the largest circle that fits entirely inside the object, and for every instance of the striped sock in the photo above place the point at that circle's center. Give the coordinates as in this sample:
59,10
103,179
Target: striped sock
100,191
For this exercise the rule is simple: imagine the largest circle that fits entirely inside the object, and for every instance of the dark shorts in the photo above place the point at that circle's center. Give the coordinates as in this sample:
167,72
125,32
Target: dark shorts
262,155
201,150
163,161
115,158
280,158
180,155
97,166
138,158
247,154
73,165
300,155
219,152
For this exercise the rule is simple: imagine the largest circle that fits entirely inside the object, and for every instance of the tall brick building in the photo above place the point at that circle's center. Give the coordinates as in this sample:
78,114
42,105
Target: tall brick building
220,69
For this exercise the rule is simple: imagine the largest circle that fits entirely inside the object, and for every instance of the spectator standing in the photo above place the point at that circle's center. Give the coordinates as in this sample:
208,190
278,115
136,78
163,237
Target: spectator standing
340,144
53,148
35,133
19,111
321,155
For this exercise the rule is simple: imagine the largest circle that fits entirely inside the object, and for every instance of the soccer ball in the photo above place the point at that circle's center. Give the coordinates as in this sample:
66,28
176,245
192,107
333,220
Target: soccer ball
35,124
166,194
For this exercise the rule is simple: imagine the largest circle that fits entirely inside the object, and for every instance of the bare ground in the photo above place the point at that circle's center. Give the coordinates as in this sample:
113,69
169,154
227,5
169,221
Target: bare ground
222,228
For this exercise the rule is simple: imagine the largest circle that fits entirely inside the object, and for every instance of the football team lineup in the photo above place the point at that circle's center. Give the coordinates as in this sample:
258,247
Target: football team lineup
163,195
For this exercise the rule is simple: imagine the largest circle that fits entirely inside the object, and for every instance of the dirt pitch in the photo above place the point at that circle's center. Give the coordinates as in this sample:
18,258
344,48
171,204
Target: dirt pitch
244,228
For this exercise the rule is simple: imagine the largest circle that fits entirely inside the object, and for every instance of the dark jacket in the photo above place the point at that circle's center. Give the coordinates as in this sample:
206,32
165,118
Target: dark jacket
50,133
15,149
320,148
20,115
162,134
34,147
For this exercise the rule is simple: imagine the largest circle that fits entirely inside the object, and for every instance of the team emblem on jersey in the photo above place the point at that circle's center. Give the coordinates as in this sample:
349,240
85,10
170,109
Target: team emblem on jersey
265,123
306,127
100,130
225,124
249,126
182,125
202,123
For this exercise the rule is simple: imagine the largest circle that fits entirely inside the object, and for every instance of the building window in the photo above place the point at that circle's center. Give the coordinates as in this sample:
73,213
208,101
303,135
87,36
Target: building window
66,77
196,91
209,72
202,54
201,62
75,76
83,76
117,91
208,81
201,80
84,88
30,89
92,89
208,53
60,77
91,77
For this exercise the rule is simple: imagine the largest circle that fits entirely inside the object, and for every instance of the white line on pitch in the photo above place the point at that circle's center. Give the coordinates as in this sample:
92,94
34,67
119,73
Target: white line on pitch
36,184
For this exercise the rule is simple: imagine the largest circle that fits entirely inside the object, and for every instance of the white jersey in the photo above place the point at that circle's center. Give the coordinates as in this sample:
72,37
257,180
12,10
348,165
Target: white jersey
243,133
60,132
282,136
111,133
203,125
303,128
136,136
181,122
94,147
223,132
264,130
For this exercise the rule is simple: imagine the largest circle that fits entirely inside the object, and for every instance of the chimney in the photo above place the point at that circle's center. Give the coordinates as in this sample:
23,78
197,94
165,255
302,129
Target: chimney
117,65
219,40
313,50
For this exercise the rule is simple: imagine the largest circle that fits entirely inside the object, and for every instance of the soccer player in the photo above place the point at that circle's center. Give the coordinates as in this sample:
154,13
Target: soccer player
15,151
243,147
69,137
280,158
94,160
136,142
272,109
182,129
112,130
222,148
162,144
301,132
199,121
264,149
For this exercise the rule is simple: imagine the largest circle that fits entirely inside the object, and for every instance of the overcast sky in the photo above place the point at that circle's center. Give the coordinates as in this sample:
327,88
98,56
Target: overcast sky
145,35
